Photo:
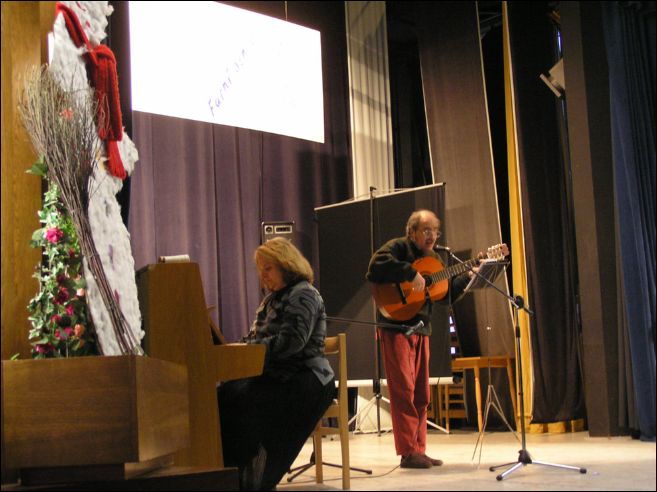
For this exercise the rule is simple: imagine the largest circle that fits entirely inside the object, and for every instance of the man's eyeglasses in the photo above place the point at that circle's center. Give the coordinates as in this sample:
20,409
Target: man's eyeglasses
428,231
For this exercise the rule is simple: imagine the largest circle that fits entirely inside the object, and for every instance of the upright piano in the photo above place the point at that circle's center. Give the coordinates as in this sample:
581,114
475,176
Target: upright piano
177,329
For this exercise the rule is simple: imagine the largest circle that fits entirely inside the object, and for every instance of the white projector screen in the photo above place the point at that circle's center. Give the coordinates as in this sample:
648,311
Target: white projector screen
207,61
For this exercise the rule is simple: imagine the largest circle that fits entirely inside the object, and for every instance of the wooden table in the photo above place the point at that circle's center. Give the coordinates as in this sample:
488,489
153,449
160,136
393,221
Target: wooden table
483,362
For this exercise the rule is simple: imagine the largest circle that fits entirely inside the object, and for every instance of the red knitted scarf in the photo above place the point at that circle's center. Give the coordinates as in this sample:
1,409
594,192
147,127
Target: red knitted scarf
101,67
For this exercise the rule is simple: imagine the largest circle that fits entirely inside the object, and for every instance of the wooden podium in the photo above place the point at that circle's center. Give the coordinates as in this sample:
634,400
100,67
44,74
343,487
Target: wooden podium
177,329
92,418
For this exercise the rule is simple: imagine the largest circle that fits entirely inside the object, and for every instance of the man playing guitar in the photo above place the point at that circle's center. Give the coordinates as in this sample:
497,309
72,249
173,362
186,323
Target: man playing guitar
401,291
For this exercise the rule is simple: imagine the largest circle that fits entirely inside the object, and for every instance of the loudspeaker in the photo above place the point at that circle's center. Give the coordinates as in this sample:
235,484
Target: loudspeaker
271,230
555,79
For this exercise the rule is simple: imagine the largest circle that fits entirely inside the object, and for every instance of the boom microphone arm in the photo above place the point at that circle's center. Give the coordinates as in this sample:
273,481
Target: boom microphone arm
407,330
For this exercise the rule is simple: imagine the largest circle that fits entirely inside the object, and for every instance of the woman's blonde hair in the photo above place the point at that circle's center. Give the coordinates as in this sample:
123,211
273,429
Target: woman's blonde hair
283,253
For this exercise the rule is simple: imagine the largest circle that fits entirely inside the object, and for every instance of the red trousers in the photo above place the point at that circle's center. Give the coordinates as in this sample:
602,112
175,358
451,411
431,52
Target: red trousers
406,361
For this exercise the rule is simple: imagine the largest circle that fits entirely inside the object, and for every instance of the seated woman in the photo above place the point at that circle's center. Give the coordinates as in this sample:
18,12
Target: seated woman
265,420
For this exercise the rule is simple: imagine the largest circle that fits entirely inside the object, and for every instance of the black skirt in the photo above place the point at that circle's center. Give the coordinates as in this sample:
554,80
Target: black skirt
265,423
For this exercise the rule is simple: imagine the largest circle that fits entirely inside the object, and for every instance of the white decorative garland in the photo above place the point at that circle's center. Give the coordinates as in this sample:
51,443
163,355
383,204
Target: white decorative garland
110,235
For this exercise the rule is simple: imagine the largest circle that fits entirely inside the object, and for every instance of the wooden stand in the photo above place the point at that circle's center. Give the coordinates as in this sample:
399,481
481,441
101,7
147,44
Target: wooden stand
92,418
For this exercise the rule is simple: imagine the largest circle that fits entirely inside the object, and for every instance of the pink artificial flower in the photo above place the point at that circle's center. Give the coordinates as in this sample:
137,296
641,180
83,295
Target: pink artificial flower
80,293
56,319
44,348
63,336
54,235
70,309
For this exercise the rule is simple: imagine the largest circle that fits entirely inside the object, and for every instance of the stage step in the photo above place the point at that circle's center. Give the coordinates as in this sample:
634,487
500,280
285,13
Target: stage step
171,478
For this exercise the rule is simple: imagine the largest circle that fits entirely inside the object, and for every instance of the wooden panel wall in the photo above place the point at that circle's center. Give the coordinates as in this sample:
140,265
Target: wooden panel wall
24,28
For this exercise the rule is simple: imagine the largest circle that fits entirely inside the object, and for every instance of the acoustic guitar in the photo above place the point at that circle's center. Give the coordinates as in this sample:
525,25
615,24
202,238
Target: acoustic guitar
400,302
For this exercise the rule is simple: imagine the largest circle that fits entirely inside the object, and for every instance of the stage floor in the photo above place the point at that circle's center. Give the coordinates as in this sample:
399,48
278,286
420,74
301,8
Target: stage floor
616,463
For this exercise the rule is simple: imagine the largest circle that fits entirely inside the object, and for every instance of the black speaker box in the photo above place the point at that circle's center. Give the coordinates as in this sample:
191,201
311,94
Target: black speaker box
271,230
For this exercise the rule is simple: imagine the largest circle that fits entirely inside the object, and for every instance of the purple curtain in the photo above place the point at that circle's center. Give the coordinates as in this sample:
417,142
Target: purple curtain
204,190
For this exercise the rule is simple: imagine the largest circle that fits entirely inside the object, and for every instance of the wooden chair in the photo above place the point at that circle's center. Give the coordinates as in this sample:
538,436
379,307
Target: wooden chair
451,401
339,410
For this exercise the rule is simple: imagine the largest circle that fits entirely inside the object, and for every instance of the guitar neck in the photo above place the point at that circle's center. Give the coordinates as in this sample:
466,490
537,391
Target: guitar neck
453,270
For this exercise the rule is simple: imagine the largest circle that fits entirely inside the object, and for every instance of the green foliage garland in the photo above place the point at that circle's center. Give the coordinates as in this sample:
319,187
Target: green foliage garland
61,325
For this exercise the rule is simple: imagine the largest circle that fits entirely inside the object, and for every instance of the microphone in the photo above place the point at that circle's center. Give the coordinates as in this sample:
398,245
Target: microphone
438,247
414,328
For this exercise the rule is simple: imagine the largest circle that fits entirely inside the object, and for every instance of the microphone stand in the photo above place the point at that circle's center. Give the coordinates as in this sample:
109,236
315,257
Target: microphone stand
524,457
376,382
491,389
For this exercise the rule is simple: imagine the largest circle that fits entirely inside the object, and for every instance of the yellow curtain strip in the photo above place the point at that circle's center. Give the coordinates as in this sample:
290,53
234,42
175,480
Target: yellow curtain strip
517,235
518,253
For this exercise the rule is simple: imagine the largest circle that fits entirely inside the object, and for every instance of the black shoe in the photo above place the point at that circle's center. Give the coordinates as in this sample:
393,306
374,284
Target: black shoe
415,460
433,461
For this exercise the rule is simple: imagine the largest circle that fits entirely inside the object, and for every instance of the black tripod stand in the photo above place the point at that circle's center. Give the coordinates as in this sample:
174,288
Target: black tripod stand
295,472
376,382
376,389
523,455
492,401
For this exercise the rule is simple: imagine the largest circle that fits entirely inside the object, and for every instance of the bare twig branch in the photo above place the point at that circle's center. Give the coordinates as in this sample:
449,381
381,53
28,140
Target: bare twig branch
62,126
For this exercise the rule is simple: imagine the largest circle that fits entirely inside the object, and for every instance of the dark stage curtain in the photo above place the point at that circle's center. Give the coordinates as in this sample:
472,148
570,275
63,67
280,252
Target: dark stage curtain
630,41
461,157
409,122
205,189
547,219
459,139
